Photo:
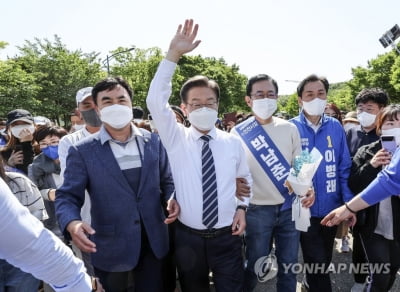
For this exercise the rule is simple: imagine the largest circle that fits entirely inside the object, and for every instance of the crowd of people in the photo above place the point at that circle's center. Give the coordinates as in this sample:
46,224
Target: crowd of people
138,201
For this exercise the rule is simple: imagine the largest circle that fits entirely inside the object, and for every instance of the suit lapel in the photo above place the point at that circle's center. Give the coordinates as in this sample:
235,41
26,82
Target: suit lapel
147,164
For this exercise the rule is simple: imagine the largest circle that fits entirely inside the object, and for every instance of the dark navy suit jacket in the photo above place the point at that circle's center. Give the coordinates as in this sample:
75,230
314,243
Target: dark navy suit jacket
118,213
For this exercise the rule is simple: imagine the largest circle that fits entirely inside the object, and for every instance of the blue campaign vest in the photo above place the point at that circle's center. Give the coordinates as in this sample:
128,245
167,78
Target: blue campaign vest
267,155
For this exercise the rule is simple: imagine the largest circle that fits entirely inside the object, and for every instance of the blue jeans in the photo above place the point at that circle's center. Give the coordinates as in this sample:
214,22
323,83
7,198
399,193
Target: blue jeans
265,223
12,279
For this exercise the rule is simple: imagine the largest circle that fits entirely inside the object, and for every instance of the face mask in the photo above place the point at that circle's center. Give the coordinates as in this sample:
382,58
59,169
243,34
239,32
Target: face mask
16,130
91,118
349,126
203,118
77,127
264,108
393,132
316,107
366,119
51,152
117,116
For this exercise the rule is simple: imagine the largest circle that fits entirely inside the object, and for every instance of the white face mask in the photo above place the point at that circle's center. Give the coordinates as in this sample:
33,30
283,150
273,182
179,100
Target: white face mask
264,108
393,132
366,119
203,118
349,126
77,127
316,107
16,130
117,116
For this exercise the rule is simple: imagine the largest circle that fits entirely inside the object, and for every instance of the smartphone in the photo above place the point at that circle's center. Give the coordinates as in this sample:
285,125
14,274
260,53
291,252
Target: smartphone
389,143
230,117
17,148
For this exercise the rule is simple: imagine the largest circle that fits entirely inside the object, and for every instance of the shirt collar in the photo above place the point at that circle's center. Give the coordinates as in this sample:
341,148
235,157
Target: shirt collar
105,136
196,134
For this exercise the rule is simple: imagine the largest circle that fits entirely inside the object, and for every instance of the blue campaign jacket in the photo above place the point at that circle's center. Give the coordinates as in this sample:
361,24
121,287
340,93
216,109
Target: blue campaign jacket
116,210
330,180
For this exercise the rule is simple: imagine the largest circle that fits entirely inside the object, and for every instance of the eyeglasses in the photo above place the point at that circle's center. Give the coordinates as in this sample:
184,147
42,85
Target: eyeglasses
45,145
210,104
260,95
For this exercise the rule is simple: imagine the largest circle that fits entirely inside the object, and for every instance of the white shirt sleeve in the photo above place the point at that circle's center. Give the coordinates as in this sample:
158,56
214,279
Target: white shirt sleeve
25,243
157,103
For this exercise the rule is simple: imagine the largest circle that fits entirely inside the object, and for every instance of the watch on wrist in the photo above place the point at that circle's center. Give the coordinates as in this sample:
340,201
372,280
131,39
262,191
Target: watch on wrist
243,207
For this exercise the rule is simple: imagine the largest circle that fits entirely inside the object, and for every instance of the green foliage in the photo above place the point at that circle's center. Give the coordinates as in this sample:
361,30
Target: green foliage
57,74
138,69
45,77
288,104
383,72
17,88
340,94
3,44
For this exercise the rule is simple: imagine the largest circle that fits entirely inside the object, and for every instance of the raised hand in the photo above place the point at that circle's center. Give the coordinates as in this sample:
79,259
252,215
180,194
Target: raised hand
183,41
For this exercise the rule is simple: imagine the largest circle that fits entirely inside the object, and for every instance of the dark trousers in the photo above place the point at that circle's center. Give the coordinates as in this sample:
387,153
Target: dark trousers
146,276
358,257
317,246
196,256
169,264
381,251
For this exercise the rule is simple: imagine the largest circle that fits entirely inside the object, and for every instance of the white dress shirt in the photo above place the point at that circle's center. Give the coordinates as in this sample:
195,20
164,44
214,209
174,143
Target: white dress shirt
184,146
66,142
25,243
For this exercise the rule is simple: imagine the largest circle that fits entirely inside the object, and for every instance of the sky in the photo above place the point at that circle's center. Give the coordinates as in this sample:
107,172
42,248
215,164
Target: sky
286,39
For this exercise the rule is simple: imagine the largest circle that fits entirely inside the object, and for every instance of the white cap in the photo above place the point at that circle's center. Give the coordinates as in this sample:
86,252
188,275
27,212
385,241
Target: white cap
82,94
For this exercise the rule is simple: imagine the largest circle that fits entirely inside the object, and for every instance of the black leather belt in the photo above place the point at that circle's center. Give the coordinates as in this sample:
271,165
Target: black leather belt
207,233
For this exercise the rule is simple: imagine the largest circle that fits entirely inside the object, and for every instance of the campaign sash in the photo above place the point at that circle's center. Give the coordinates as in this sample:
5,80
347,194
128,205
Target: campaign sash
267,155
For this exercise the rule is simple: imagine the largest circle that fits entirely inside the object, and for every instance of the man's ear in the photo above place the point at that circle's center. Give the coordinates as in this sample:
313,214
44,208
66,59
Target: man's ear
184,109
300,101
249,101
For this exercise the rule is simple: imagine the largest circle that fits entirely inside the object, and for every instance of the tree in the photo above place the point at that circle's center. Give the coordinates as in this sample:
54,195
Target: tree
382,72
17,88
139,67
58,74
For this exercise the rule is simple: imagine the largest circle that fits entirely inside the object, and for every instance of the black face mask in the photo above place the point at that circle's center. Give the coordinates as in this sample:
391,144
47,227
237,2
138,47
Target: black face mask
91,118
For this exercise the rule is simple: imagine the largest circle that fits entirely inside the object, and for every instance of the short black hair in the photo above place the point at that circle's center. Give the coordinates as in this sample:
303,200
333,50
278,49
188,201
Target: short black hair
138,112
109,84
199,81
312,78
377,95
43,131
257,78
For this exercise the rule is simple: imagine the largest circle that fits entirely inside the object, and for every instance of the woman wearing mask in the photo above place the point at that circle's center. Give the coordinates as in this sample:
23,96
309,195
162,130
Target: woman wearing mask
12,278
18,152
379,225
45,169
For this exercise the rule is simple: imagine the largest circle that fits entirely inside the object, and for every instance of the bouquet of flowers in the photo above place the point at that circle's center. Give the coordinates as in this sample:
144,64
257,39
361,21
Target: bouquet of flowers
299,182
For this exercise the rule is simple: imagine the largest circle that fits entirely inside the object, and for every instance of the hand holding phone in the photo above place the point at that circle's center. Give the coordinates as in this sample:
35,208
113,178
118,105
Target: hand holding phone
389,143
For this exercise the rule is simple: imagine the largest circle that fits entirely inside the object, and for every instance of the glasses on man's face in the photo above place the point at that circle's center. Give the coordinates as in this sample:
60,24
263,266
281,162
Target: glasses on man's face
210,104
260,95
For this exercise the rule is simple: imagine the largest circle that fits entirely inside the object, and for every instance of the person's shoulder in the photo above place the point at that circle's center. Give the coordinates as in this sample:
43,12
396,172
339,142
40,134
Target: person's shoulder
227,137
16,175
38,159
281,123
296,119
88,141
